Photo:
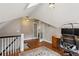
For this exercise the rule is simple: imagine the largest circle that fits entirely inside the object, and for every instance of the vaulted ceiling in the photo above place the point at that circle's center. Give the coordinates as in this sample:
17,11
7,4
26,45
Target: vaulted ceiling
11,11
14,10
62,13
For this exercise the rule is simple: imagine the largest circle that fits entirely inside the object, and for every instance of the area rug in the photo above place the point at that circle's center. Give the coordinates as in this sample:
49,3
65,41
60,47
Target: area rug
40,51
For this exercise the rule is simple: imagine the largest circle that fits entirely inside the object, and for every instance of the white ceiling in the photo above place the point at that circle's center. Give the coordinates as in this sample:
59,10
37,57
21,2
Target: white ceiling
14,10
62,13
11,11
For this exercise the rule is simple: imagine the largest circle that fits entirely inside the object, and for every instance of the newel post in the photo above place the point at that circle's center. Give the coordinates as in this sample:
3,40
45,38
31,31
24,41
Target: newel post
22,42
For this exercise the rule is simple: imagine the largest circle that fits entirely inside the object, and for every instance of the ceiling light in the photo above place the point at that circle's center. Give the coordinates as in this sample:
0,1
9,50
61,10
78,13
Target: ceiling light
27,20
52,5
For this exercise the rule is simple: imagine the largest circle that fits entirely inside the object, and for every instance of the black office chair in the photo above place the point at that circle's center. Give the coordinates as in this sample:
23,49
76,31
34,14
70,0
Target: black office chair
67,42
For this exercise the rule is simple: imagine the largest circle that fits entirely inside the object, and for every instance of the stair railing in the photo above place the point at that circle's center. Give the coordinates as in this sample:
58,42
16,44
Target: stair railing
12,45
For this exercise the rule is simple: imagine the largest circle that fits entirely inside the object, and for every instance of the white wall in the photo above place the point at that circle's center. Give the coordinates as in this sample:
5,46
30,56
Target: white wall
66,13
19,26
62,13
48,31
16,27
44,13
10,11
11,28
27,29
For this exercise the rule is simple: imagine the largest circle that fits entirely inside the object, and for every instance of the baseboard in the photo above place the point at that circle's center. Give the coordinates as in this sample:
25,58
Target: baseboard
45,40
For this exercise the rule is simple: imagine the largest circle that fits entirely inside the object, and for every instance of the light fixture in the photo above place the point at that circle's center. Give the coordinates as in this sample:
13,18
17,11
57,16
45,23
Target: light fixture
27,20
32,4
52,5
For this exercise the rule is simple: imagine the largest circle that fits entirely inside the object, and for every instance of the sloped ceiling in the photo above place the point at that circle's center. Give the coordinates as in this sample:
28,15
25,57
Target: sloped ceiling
61,14
11,11
14,10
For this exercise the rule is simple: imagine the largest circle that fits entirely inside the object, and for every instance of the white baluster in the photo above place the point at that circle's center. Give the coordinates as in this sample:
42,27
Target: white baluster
18,43
5,46
2,47
13,46
8,45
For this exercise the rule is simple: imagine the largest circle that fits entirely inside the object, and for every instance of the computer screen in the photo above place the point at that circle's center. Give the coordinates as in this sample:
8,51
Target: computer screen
70,31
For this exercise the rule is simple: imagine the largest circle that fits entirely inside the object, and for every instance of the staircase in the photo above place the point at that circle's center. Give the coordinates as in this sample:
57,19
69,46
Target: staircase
11,45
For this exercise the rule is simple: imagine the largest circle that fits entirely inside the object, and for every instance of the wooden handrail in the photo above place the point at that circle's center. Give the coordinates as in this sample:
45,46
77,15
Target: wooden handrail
10,36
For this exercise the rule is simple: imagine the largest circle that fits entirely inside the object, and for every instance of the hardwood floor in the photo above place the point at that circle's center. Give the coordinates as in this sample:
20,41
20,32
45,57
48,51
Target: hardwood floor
34,43
49,45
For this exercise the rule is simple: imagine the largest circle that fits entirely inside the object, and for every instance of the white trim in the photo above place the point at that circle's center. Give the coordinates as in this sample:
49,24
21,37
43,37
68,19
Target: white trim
45,40
22,42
